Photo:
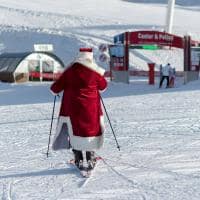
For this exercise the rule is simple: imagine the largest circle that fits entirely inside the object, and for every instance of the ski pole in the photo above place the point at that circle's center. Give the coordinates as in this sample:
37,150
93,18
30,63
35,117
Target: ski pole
51,125
110,123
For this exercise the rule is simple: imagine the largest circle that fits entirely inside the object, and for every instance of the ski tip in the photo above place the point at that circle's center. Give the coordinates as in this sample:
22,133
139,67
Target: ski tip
98,158
72,161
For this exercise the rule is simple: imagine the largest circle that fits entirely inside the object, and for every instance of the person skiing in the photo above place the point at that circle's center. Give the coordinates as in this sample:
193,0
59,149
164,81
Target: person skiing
165,75
80,109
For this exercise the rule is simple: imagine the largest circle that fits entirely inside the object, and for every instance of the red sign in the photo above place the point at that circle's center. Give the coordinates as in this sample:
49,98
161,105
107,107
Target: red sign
53,76
118,63
155,37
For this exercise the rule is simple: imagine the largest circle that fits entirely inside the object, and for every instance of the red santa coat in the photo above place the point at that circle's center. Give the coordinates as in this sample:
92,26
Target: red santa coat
81,106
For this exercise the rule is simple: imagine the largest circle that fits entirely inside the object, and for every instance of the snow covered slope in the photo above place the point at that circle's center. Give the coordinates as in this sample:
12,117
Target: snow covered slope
157,129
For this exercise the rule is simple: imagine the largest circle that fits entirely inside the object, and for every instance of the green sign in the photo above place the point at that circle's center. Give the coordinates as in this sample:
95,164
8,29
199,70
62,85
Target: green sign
145,47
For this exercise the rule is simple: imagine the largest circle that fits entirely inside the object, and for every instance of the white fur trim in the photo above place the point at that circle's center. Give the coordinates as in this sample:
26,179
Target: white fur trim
86,143
90,64
53,93
101,91
86,55
102,124
80,143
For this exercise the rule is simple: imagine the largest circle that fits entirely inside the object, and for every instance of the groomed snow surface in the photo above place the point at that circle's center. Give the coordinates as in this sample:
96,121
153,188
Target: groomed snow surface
158,131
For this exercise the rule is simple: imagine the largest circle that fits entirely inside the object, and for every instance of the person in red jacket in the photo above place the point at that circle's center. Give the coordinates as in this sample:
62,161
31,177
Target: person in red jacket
80,110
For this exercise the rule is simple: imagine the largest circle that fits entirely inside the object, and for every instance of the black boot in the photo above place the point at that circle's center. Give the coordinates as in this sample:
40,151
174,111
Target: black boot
78,157
91,160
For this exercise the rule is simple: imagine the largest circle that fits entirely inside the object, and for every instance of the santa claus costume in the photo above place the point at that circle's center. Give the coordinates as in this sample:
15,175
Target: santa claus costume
81,117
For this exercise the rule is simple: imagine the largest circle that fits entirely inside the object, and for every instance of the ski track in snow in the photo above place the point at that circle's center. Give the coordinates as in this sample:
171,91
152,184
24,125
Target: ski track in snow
158,135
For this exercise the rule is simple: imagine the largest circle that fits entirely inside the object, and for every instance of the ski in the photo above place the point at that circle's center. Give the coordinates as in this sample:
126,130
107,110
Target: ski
90,172
85,172
82,172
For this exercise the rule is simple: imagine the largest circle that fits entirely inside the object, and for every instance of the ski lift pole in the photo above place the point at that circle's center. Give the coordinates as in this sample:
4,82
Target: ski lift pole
110,124
54,103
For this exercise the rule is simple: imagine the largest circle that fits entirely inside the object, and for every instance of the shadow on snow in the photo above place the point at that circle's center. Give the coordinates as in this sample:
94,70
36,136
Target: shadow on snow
48,172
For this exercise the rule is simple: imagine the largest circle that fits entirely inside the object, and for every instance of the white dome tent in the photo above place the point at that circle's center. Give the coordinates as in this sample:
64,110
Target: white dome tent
21,67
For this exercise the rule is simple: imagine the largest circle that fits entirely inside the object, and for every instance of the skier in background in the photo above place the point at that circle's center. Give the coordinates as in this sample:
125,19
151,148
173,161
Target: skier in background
165,75
81,110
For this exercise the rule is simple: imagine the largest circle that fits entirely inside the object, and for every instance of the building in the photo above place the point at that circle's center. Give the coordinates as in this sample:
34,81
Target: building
22,67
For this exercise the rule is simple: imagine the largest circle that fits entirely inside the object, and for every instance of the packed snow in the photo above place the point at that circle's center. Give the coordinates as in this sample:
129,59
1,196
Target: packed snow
157,129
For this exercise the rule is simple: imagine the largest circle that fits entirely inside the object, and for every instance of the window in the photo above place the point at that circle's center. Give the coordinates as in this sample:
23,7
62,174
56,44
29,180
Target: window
47,66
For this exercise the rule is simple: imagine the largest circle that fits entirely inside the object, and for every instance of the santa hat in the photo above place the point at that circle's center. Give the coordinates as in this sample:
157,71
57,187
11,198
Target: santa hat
86,53
85,57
